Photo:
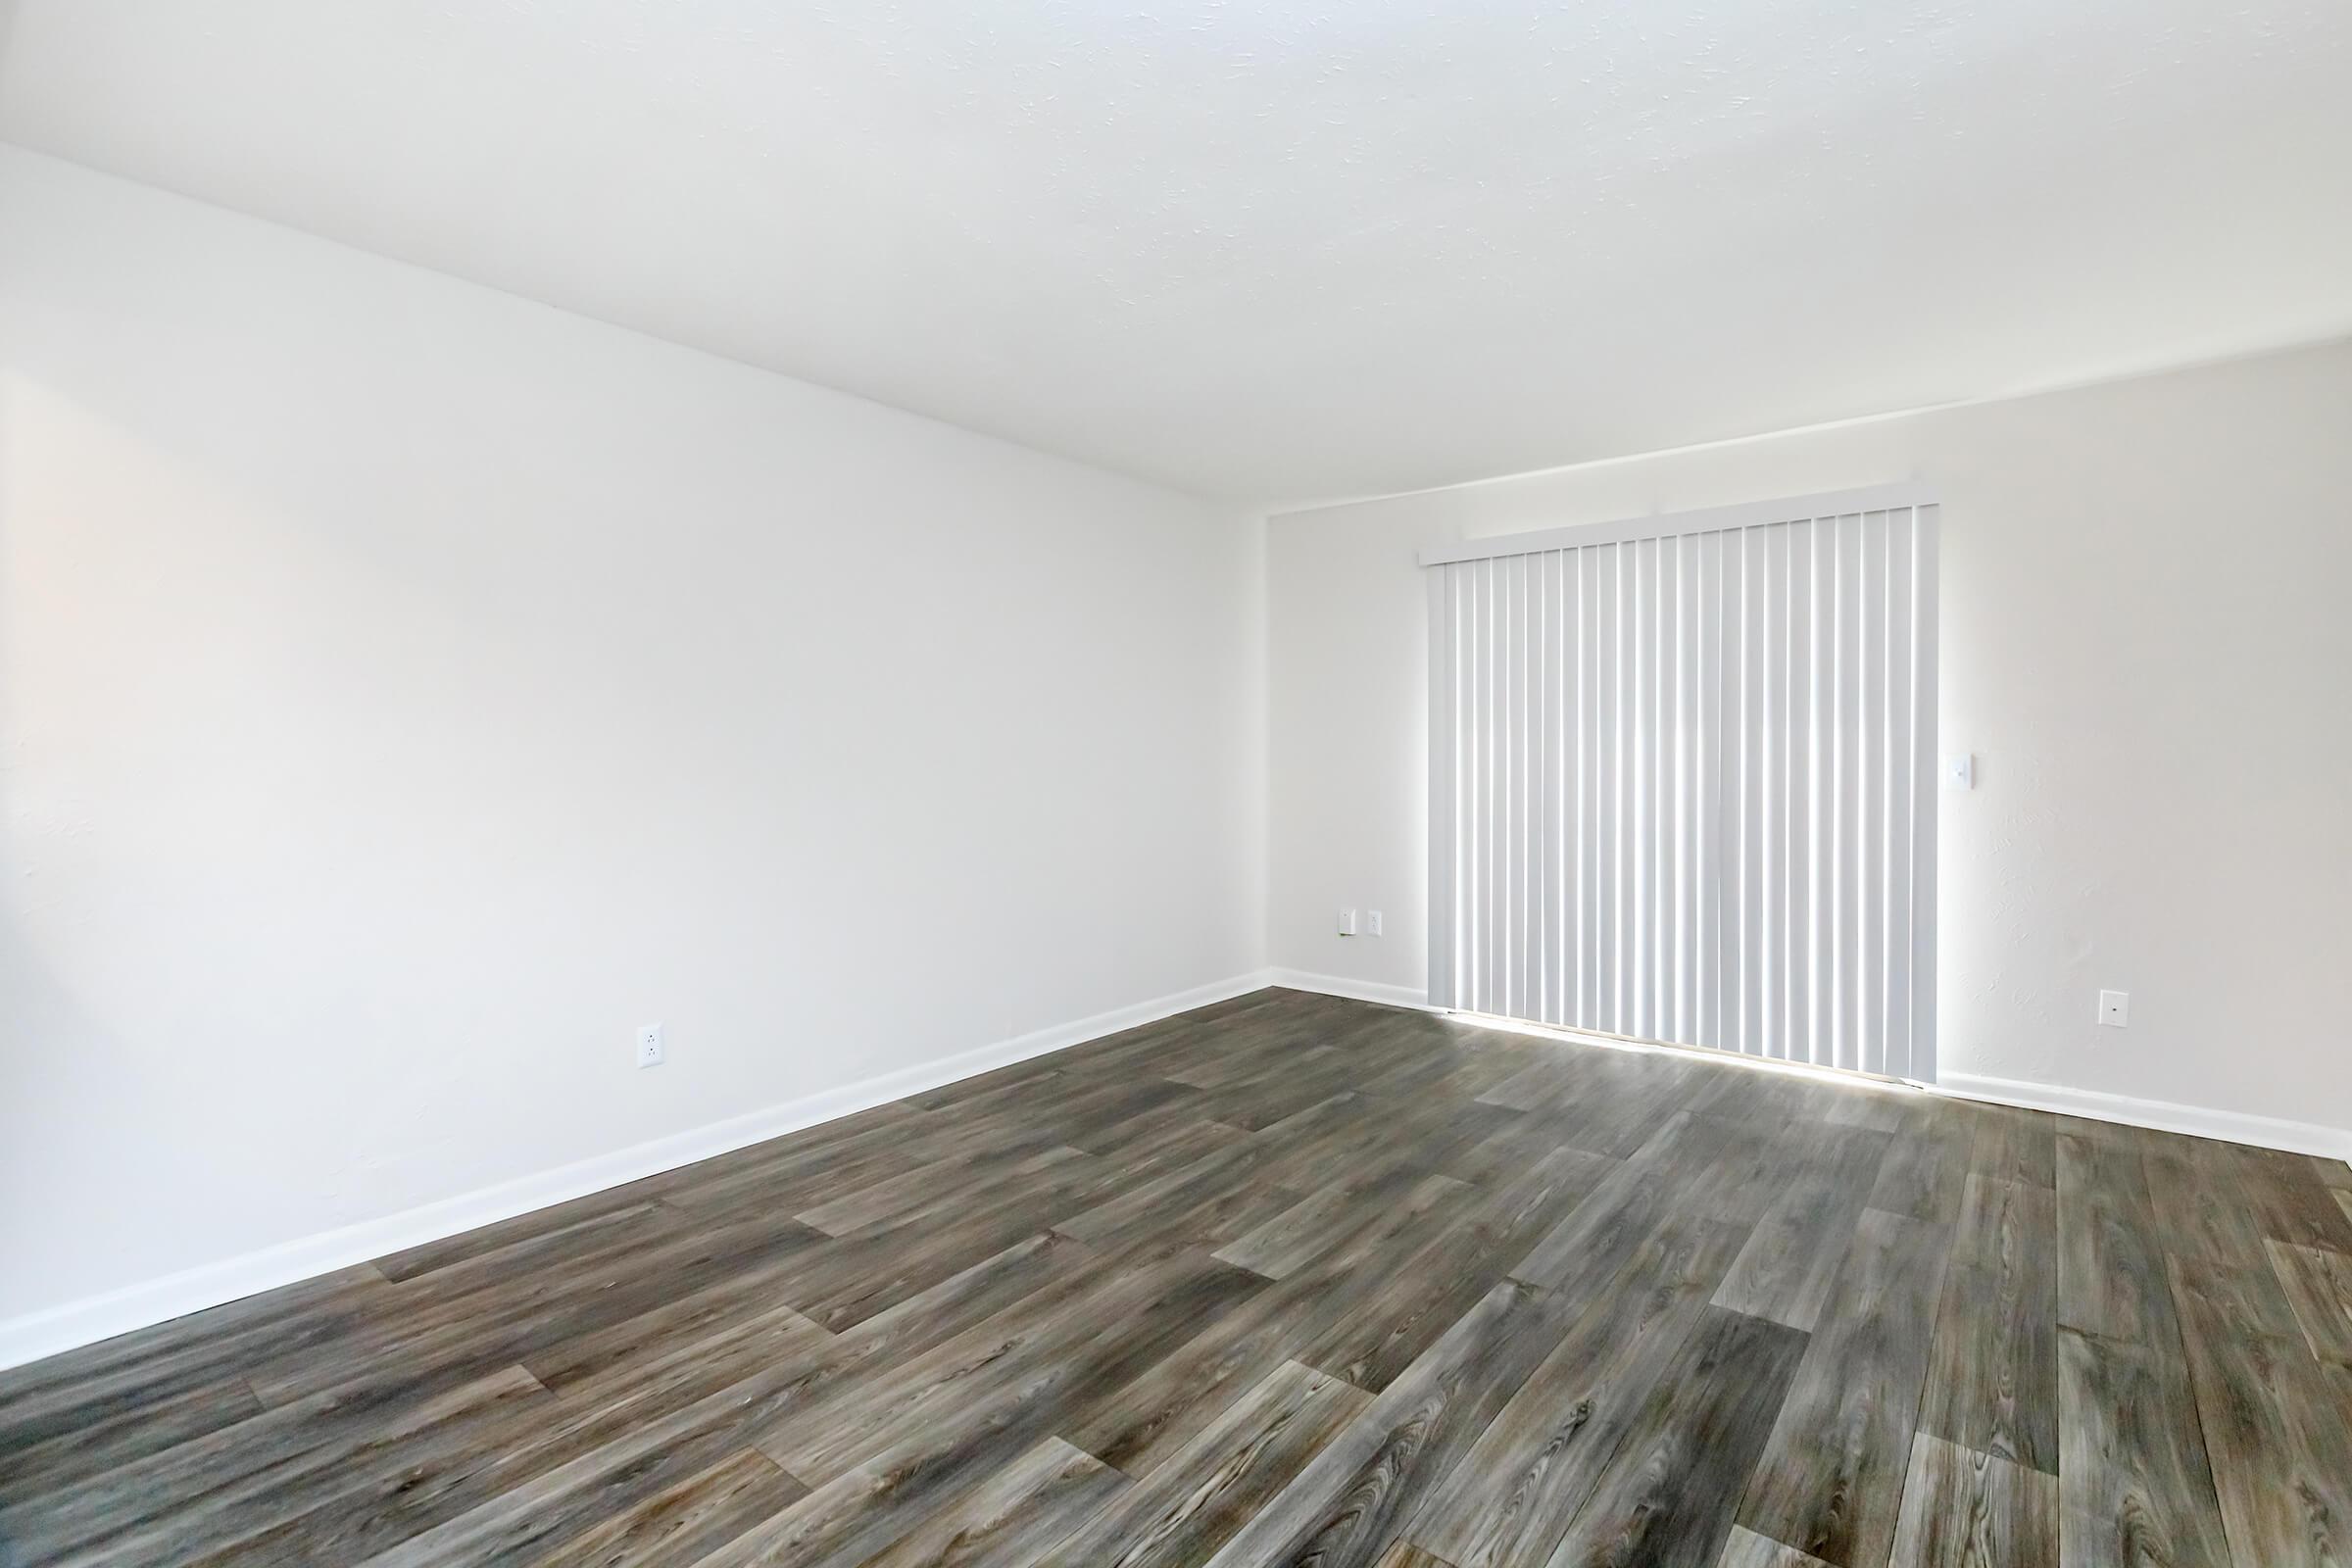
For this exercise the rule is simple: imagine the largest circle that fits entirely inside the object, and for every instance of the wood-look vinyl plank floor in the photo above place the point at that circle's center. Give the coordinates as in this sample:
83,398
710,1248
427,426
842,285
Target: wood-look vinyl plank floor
1284,1280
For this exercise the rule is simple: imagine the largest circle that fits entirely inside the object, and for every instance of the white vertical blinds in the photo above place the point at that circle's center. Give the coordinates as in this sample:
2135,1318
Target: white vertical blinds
1682,786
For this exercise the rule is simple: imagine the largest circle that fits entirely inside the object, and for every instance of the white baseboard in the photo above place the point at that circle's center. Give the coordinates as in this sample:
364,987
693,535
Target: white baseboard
2237,1127
91,1318
34,1335
1331,985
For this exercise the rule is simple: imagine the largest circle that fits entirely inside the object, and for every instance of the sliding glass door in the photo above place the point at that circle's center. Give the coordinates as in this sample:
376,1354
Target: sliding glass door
1682,781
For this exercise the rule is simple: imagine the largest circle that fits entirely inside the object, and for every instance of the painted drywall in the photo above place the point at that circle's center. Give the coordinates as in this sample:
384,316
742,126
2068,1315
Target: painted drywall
2145,643
406,690
1290,249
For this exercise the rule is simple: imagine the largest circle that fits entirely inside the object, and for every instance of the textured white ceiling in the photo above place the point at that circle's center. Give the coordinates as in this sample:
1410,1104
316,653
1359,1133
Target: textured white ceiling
1293,249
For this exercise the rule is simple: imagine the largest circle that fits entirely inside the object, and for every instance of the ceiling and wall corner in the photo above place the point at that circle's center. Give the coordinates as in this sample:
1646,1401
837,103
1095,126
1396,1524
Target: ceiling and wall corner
1290,251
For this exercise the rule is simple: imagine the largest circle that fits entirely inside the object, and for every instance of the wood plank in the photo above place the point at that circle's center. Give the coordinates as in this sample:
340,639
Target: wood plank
1480,1059
2319,1289
1352,1500
1993,1376
1205,1493
1753,1165
1543,1081
120,1435
607,1457
871,1484
1347,1129
1214,1199
504,1317
1831,1479
1925,1170
1016,1514
904,1466
1636,1093
1771,1099
968,1180
131,1372
1669,1494
2003,1222
1045,1344
1786,1271
1511,1495
1121,1111
1154,1417
2249,1301
1880,1107
1510,1142
2015,1145
563,1471
1596,1237
1486,1144
1085,1108
1404,1555
2196,1215
241,1480
681,1525
2111,1270
668,1377
1965,1509
671,1381
2134,1486
2276,1436
1289,1241
1283,1086
1748,1549
605,1355
850,1282
2290,1202
1389,1324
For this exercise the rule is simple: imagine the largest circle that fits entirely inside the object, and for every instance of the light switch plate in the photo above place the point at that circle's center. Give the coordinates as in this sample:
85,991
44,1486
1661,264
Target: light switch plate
2115,1009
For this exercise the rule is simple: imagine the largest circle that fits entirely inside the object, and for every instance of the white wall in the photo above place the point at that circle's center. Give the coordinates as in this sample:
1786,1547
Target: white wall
406,690
2146,642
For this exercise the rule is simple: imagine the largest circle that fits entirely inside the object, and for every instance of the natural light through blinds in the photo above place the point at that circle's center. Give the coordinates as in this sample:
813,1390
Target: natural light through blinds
1682,783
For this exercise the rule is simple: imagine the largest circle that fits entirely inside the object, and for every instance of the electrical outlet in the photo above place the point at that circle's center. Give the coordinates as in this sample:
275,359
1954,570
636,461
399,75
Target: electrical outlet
1346,922
648,1045
1372,922
2115,1009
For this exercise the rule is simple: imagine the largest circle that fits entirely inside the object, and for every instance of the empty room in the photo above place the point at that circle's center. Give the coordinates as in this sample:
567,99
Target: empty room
999,784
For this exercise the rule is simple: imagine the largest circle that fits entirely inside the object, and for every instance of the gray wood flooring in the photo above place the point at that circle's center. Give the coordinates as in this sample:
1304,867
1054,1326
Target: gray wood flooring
1287,1280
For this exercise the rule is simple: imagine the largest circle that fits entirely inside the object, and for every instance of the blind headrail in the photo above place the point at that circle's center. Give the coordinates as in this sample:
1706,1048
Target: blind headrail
1746,515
